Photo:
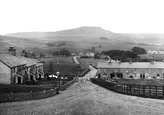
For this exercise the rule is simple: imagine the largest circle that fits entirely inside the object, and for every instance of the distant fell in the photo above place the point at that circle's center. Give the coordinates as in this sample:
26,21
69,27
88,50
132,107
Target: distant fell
81,31
92,33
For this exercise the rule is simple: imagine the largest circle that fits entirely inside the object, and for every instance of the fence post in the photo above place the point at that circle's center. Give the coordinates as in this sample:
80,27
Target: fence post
134,90
44,93
156,92
150,91
143,90
124,88
139,89
163,91
121,88
11,96
31,95
130,89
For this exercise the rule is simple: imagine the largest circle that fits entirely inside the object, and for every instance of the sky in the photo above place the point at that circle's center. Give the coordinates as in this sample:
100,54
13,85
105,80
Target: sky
120,16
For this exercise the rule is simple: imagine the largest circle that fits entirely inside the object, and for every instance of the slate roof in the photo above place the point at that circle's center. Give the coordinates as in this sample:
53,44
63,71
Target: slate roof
39,64
131,65
10,60
29,62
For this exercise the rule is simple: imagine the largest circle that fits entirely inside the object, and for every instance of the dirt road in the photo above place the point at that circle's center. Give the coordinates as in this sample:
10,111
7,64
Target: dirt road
86,98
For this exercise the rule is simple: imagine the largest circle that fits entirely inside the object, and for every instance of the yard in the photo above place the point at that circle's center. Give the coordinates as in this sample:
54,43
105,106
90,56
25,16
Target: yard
64,68
58,59
87,61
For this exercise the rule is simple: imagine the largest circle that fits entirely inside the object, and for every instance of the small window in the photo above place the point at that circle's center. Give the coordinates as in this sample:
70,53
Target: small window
158,75
104,70
13,70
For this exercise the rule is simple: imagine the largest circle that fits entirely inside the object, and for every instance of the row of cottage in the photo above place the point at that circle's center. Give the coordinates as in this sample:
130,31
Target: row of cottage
136,70
19,70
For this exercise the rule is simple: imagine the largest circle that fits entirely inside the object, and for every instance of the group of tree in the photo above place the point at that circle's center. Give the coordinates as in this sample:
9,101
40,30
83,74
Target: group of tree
42,55
138,50
62,52
122,55
50,44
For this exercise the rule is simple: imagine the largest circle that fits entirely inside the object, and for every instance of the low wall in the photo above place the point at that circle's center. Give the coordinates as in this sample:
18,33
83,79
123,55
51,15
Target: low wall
75,60
11,97
65,86
84,72
148,91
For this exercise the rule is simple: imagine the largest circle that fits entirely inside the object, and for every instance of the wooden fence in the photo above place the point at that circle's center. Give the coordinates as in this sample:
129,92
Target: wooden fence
147,91
11,97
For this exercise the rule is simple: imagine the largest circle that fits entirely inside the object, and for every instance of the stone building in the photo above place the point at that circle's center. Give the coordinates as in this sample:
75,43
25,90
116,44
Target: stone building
18,70
135,70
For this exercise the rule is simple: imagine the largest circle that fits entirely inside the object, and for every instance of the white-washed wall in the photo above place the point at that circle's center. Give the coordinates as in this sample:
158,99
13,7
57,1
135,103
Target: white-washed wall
5,74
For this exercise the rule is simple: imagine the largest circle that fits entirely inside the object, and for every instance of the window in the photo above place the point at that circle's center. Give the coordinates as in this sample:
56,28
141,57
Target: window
158,75
13,70
104,70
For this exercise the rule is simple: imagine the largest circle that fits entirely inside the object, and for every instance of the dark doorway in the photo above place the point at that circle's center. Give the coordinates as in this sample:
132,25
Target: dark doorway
99,75
112,75
39,76
19,80
31,78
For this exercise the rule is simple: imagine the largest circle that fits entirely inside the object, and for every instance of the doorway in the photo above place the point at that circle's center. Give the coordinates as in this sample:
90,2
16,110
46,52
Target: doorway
31,78
19,80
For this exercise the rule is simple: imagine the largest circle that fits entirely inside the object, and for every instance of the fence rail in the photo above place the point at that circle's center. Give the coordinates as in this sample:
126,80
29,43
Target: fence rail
147,91
10,97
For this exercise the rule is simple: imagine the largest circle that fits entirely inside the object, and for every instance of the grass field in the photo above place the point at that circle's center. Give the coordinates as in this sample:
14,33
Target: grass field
58,59
63,68
94,62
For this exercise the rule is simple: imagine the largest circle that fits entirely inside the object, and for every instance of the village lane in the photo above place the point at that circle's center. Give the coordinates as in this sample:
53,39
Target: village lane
86,98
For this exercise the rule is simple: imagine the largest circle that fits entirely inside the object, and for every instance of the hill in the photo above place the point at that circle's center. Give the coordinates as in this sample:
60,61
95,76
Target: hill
78,39
91,33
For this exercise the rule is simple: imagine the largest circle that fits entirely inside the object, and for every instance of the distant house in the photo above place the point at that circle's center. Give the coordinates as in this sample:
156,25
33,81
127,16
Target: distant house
18,70
155,52
88,53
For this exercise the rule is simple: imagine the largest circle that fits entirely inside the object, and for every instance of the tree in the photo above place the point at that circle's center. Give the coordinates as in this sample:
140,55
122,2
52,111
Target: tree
138,50
97,56
64,52
93,49
120,54
100,46
51,68
42,55
56,53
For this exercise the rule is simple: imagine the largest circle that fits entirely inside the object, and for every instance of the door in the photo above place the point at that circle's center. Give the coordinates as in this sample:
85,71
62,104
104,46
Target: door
31,78
19,80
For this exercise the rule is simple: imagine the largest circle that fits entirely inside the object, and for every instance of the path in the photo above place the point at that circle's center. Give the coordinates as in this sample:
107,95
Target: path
86,98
